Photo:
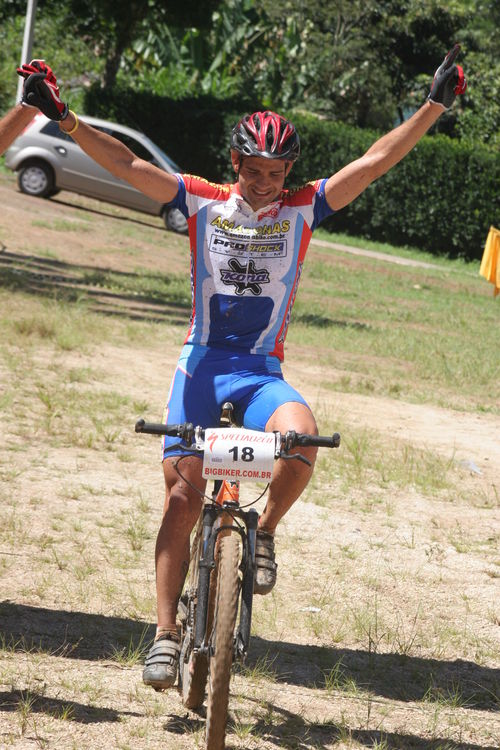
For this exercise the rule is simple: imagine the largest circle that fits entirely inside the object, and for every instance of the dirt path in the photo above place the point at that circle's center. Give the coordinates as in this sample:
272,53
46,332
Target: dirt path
374,254
383,631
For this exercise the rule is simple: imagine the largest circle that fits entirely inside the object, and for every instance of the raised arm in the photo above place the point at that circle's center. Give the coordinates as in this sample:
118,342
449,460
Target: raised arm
13,124
344,186
41,90
114,156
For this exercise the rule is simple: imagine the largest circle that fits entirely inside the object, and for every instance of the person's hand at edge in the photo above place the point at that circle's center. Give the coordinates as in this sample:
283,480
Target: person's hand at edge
449,80
40,90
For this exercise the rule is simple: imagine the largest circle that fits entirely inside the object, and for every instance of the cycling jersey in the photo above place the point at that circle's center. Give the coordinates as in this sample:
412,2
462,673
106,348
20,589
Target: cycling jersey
246,264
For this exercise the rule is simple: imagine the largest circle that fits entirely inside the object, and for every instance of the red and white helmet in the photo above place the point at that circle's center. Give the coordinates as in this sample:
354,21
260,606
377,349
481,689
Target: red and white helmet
266,134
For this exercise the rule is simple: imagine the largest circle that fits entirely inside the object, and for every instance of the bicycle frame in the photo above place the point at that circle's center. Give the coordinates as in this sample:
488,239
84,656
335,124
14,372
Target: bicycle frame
218,518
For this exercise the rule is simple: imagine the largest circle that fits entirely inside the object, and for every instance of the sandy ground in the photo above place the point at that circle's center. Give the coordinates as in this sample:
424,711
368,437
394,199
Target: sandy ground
398,587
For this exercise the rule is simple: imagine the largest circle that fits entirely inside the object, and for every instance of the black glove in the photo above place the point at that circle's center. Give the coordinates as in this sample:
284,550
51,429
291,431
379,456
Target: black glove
41,90
449,80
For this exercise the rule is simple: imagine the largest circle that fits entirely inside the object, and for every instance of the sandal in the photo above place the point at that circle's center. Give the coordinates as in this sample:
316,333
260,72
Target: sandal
265,565
160,667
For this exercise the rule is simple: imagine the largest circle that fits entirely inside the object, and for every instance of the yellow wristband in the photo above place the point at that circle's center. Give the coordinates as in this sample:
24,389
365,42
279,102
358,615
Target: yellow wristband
75,126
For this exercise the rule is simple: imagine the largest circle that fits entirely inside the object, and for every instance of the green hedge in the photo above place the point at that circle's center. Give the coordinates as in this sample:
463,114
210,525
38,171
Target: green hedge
193,132
442,197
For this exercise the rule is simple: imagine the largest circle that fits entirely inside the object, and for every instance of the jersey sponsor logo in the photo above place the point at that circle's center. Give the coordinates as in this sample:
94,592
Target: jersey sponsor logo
278,227
268,249
227,246
272,212
244,277
282,336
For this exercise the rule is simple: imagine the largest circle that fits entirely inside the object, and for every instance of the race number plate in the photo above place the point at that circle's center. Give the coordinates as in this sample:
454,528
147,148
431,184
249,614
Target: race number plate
243,455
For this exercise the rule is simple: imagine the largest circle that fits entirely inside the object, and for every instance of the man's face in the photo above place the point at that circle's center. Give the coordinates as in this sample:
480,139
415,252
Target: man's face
261,180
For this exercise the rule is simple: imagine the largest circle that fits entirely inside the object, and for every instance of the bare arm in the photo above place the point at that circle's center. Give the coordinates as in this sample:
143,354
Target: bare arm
344,186
122,162
14,123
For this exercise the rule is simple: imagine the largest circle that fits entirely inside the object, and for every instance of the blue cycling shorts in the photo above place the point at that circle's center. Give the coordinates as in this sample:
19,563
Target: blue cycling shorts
206,377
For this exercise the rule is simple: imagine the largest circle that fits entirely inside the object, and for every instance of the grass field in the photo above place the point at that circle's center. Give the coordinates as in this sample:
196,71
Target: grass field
383,631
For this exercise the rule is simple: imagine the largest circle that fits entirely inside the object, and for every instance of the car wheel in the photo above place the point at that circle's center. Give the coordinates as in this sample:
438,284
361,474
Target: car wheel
175,220
36,178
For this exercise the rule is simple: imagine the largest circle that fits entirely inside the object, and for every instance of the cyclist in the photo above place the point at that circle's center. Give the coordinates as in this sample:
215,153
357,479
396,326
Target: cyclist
248,243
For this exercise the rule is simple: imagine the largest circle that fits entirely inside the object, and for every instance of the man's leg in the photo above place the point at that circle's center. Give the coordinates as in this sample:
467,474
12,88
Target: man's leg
289,480
180,513
181,510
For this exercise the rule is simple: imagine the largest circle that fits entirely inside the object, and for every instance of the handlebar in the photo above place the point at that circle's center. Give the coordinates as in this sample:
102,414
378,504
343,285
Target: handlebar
186,431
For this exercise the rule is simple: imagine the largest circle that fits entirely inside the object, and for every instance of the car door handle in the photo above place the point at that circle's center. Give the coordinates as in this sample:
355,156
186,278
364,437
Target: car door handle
61,150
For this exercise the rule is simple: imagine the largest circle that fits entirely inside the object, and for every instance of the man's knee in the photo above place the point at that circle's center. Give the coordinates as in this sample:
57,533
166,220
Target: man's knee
292,416
184,491
298,417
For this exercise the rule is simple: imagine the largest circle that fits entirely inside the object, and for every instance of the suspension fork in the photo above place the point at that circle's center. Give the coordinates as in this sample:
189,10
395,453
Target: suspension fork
242,641
206,565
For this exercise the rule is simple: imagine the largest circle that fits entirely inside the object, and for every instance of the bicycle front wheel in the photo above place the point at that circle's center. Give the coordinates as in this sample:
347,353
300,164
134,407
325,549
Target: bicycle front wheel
222,640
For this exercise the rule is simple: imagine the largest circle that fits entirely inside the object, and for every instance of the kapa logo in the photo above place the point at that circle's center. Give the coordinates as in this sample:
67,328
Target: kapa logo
245,277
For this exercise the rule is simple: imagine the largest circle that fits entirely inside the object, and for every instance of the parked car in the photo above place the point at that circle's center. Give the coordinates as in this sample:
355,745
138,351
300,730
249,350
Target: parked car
48,160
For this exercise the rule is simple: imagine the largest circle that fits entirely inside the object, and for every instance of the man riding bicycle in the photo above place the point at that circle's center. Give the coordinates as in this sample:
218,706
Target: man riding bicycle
248,244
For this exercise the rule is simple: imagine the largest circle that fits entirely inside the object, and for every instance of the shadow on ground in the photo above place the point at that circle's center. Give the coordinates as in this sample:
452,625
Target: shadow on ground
73,635
394,676
32,702
80,635
108,214
286,729
148,296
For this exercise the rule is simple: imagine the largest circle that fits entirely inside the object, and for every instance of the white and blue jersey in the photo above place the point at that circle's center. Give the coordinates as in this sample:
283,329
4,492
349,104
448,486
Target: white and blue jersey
245,270
245,264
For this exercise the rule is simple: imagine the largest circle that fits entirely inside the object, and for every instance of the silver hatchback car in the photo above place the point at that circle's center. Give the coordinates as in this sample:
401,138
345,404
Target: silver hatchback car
47,160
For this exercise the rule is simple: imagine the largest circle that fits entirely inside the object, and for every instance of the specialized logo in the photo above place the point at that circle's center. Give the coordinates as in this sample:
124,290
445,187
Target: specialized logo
212,439
244,277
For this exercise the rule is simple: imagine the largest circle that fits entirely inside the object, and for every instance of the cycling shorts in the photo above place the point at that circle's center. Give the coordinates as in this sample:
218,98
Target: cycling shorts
206,377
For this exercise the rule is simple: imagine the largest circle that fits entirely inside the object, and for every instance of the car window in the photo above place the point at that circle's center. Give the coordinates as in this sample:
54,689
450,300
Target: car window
52,128
139,150
173,166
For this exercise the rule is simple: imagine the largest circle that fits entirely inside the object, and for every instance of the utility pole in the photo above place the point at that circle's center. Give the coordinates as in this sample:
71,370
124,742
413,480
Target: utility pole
27,42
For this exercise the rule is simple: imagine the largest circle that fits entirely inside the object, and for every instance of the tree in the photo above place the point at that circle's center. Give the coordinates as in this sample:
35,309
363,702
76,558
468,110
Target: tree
480,118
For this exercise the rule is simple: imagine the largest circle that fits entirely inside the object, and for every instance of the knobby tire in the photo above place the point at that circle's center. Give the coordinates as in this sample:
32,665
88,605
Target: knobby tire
222,641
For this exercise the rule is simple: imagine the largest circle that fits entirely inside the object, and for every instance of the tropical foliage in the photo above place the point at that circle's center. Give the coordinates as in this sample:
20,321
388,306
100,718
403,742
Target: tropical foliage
365,62
356,64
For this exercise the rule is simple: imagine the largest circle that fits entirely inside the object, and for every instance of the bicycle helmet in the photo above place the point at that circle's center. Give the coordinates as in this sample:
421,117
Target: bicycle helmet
266,134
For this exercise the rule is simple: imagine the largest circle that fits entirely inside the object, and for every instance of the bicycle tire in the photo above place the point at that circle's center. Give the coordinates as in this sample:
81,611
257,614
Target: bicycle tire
193,673
222,640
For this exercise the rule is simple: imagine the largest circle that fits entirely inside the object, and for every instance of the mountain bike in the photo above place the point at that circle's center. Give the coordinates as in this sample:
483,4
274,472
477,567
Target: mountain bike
221,573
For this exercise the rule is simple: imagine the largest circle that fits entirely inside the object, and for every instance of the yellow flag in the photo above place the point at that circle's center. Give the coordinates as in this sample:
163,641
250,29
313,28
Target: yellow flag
490,263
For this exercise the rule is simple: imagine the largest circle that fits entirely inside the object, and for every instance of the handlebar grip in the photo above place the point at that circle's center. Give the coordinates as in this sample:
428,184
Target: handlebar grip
157,428
318,441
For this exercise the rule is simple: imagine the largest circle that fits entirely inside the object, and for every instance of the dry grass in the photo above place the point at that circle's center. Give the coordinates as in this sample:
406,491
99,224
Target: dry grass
383,629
